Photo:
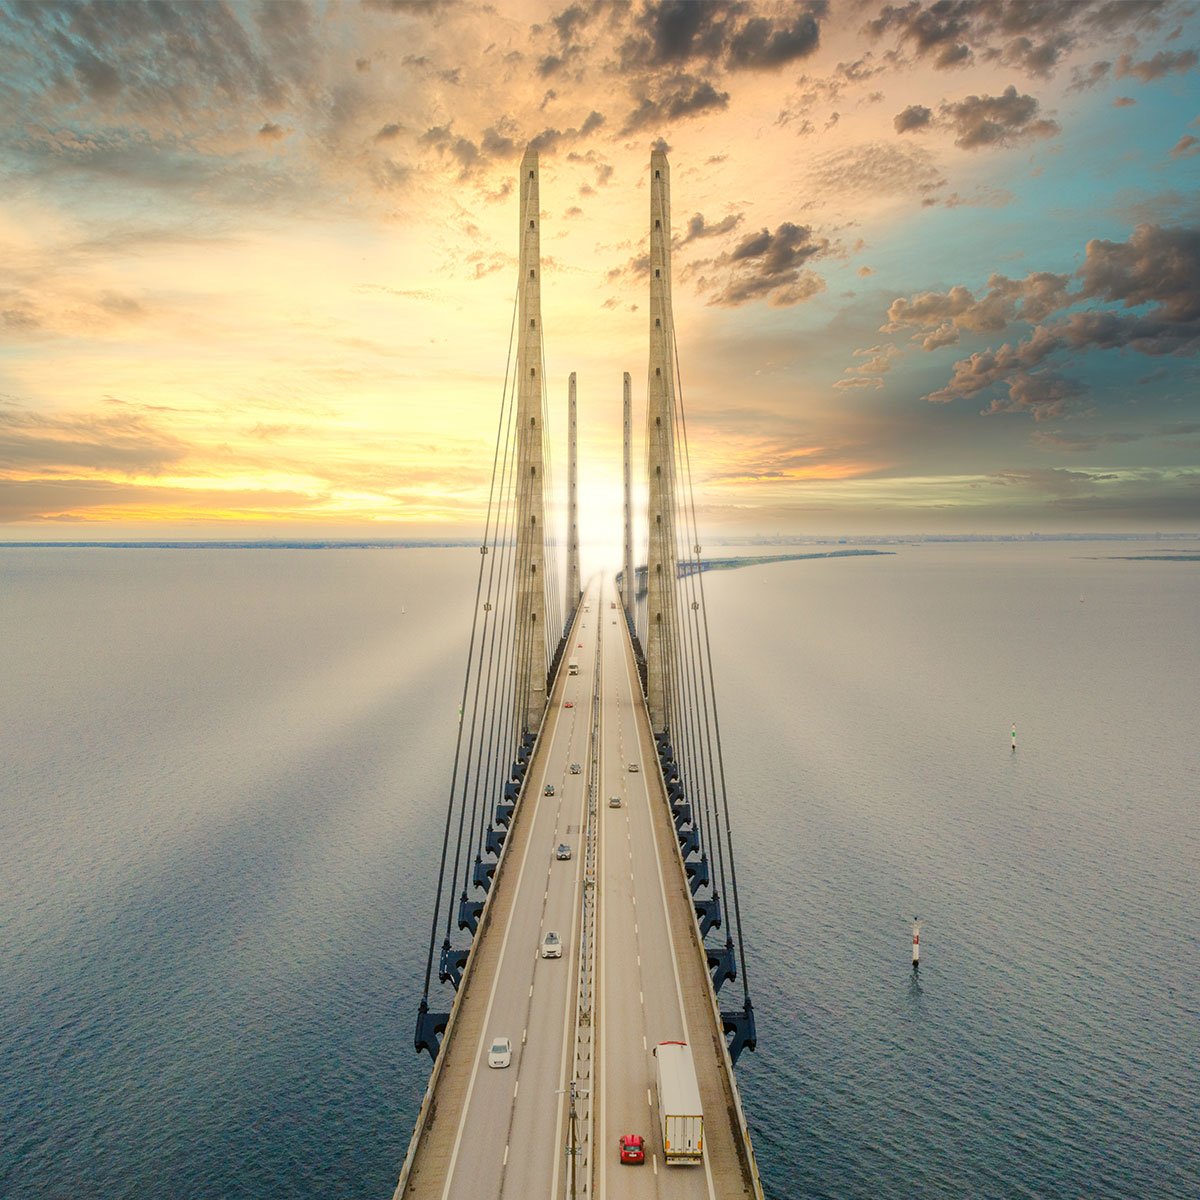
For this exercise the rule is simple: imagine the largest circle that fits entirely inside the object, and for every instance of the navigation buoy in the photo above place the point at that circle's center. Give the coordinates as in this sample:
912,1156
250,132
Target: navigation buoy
1014,737
916,944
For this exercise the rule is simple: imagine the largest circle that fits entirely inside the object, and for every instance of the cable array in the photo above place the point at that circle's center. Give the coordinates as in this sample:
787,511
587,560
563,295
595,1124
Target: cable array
690,752
494,744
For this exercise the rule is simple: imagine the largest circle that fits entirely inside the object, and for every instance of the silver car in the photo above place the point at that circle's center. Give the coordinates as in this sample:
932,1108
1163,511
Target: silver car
614,802
575,768
500,1052
551,946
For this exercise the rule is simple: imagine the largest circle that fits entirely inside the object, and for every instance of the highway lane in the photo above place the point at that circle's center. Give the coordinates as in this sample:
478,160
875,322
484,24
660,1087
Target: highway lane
640,1001
502,1148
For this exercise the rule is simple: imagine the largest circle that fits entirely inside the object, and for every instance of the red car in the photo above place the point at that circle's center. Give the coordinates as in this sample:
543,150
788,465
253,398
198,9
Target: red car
633,1148
569,704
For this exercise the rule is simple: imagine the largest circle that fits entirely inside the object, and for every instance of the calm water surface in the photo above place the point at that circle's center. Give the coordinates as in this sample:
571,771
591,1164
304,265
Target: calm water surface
222,775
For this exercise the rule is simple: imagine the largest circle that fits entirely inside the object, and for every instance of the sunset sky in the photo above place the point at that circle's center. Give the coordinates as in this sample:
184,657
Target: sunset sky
936,267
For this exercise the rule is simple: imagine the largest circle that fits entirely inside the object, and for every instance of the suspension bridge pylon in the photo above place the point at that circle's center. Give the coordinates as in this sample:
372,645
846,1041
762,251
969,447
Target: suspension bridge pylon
661,566
532,662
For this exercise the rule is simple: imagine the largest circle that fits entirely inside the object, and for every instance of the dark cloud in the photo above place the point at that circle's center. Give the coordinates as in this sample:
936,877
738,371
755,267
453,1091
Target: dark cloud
771,266
698,228
915,116
1032,36
674,98
1165,62
997,120
679,33
1156,266
761,45
571,21
497,144
270,132
443,139
938,32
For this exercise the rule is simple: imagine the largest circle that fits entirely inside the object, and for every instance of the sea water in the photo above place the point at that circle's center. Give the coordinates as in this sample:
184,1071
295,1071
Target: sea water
223,776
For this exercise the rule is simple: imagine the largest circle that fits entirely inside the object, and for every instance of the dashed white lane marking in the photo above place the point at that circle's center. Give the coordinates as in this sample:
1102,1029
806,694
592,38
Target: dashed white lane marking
644,1046
648,1100
516,1089
641,999
531,987
525,1036
505,1163
654,1160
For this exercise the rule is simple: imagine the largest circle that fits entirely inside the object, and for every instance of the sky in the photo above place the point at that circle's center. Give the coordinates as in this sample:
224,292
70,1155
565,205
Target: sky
936,266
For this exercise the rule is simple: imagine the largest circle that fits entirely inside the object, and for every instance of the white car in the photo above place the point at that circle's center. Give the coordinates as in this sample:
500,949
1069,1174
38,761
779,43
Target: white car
500,1052
634,767
614,802
563,853
551,946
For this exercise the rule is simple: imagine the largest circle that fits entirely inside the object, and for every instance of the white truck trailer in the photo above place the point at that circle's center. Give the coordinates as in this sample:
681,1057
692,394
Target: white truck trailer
680,1115
572,666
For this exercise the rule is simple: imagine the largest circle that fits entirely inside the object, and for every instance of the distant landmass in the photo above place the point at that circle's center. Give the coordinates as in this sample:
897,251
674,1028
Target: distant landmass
754,560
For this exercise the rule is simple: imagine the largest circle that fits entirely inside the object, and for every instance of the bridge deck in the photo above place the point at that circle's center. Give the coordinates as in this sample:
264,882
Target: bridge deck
502,1133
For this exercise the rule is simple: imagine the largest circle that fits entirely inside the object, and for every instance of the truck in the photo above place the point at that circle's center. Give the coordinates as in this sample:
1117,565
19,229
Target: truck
681,1118
572,666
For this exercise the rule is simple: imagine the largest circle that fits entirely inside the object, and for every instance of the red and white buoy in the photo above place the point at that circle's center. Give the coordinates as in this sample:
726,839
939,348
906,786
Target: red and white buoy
916,944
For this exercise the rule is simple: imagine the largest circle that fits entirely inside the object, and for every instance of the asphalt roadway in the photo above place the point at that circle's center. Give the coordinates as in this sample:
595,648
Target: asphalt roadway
510,1130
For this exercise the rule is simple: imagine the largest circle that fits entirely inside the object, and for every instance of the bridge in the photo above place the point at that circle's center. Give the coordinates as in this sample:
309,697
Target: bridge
586,905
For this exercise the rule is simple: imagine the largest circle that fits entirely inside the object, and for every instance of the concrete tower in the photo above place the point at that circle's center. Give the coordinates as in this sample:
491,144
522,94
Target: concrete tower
531,544
628,579
573,588
660,460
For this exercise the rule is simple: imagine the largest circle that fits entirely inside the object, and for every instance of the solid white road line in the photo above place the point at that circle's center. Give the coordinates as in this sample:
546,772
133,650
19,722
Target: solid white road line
487,1016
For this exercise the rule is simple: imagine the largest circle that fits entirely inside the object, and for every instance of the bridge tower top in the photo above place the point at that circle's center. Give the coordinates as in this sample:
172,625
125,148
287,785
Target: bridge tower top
532,664
660,453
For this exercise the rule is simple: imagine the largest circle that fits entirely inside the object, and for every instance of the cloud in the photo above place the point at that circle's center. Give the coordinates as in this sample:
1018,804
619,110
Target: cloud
770,266
1157,271
875,168
939,31
1055,480
271,132
674,98
1165,62
1186,147
1155,266
1124,102
126,442
915,116
677,33
698,228
997,120
1043,394
1030,35
1053,439
942,315
869,373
